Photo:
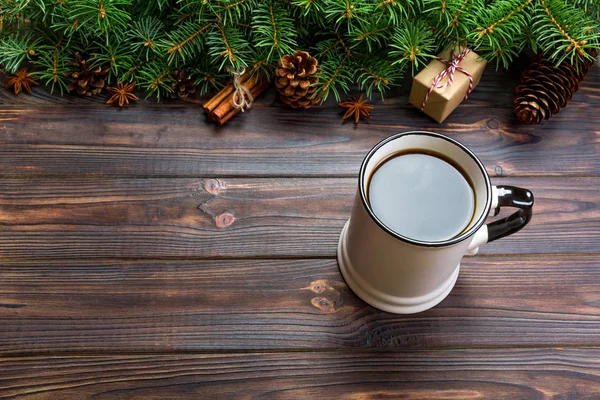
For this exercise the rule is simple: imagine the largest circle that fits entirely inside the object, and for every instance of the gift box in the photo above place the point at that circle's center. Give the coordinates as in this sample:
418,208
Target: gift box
445,82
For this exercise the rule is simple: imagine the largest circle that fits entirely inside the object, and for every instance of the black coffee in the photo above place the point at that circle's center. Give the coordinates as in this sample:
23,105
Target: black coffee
421,195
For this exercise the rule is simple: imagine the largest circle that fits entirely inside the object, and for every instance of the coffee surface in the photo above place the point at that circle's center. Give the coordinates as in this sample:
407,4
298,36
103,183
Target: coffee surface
421,196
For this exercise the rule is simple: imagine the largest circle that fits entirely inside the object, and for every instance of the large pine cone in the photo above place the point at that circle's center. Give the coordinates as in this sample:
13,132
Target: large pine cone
295,79
182,85
545,88
87,82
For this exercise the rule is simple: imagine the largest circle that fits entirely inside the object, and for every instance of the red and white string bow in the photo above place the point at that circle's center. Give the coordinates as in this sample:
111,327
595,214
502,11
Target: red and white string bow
453,66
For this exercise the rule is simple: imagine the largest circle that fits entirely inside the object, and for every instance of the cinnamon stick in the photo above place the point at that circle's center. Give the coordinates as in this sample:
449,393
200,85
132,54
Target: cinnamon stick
255,92
214,102
227,104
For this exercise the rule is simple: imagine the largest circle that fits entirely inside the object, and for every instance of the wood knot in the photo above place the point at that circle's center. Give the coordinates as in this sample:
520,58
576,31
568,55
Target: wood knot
317,286
224,220
323,304
499,170
493,124
213,186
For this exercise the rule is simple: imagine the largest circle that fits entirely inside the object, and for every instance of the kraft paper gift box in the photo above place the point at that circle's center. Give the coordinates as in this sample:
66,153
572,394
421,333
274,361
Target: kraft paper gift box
442,102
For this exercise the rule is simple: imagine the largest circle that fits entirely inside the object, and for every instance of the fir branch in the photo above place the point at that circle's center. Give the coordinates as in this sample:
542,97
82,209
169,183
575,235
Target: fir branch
154,77
447,20
196,9
151,8
397,10
335,75
437,31
17,11
376,74
349,11
373,32
234,10
228,47
591,7
14,49
366,42
412,45
499,34
132,73
184,42
241,25
457,14
308,6
116,55
507,11
274,29
344,46
106,14
325,48
145,35
373,35
235,4
261,64
563,31
206,78
54,66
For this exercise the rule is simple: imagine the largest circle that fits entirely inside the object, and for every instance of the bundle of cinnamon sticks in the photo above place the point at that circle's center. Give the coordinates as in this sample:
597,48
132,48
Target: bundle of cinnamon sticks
221,107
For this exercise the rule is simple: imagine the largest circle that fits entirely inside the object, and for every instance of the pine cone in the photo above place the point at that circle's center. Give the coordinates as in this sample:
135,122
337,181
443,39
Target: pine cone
545,88
87,82
295,79
182,84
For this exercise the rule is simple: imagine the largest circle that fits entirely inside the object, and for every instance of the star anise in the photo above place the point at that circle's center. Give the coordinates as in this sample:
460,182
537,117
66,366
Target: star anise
20,80
122,93
356,107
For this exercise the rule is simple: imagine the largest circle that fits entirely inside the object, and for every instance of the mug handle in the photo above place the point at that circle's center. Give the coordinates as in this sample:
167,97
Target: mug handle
504,196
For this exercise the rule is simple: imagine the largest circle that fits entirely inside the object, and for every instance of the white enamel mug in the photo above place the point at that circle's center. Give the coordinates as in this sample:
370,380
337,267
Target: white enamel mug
401,275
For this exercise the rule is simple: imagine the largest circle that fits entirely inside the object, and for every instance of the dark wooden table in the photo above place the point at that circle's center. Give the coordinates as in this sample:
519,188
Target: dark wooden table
147,254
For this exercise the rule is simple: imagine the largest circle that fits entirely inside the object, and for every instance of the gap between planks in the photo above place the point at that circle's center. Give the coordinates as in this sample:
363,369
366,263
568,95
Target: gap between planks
256,176
192,352
282,258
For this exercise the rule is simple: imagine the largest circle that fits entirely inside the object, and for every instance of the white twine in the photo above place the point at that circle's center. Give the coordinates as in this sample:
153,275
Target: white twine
242,98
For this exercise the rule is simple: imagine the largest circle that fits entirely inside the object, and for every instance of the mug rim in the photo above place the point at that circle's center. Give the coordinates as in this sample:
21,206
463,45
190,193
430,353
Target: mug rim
448,242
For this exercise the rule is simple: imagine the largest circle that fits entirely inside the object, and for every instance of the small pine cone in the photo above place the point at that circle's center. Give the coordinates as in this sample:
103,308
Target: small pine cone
544,89
86,81
295,79
182,85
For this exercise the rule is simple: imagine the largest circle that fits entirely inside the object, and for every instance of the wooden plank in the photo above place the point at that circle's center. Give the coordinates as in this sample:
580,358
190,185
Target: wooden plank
48,135
207,218
451,374
141,306
269,141
173,139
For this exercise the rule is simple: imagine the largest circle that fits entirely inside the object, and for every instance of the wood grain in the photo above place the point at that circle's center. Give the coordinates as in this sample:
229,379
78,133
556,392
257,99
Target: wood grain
207,218
63,136
453,374
209,305
270,141
147,230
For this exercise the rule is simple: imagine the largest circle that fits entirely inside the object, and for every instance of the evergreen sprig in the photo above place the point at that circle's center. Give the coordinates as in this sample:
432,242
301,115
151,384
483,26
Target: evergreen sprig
15,49
561,27
412,44
499,29
369,43
274,29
